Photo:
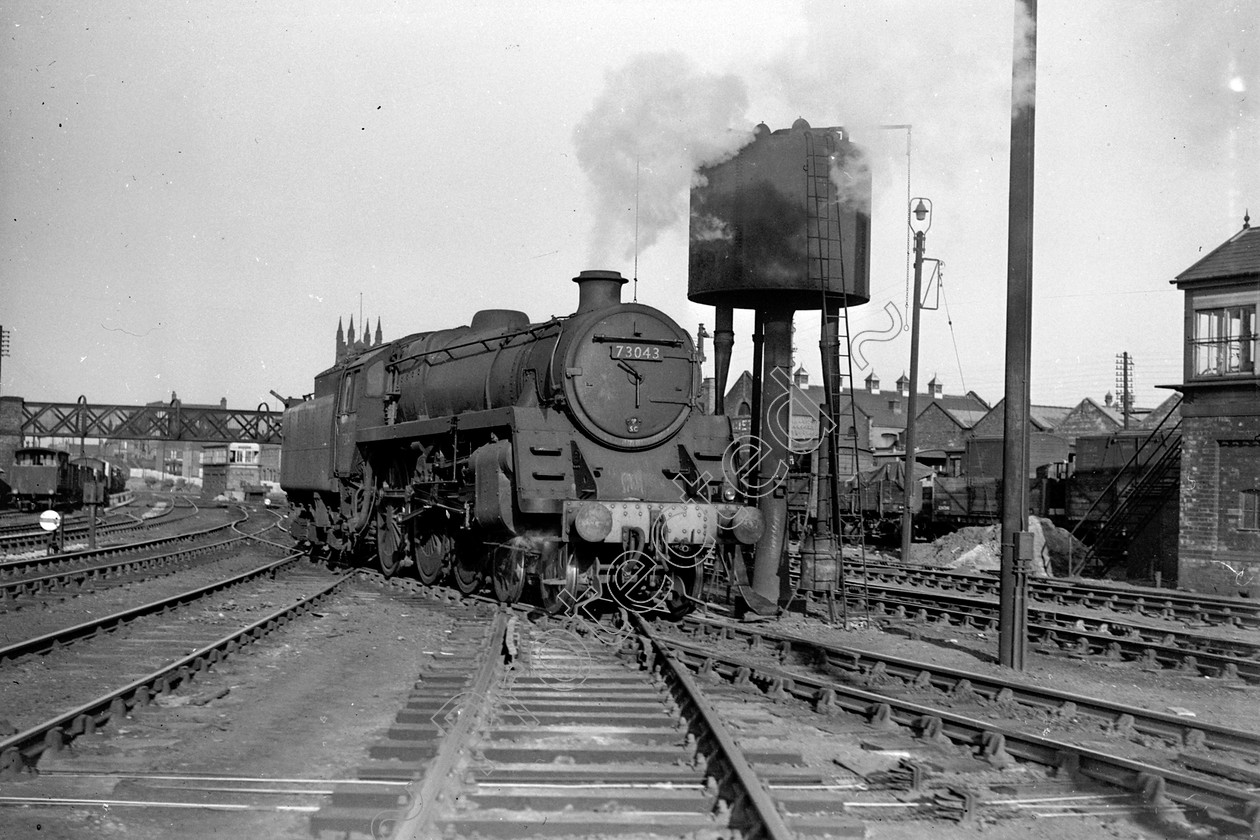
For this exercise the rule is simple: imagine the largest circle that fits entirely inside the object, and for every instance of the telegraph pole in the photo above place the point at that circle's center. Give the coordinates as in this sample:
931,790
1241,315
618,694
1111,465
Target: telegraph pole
4,348
1124,384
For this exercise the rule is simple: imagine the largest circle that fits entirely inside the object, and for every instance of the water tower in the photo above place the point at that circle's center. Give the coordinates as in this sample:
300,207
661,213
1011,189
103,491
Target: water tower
782,226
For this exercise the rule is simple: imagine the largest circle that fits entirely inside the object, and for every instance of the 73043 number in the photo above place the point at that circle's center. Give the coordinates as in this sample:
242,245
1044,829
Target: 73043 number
636,352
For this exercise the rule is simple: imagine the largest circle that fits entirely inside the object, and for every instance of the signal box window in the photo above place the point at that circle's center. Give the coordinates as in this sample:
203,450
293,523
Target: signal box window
1225,340
1249,510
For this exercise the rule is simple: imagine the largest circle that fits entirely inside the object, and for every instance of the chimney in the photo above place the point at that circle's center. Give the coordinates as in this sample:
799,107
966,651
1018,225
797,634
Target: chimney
598,289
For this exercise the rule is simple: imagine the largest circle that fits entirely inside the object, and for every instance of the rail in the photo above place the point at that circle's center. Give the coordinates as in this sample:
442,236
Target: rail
26,747
1163,788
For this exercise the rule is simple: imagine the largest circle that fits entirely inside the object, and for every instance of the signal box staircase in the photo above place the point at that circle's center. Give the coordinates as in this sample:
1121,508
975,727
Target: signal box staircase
1149,481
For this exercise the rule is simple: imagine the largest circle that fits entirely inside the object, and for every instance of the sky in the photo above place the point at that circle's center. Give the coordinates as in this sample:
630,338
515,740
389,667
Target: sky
195,193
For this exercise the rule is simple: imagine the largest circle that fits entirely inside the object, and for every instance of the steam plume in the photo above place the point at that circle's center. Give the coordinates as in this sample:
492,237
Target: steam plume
659,119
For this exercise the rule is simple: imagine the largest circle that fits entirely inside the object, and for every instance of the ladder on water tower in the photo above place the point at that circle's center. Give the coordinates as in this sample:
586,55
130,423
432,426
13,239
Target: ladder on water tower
839,508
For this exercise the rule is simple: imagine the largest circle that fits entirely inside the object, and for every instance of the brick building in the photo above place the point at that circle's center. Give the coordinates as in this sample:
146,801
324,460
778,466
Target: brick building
881,416
942,435
1219,543
1090,418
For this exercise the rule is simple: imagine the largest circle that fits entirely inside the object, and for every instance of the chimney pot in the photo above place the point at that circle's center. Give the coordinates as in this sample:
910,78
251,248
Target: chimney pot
598,289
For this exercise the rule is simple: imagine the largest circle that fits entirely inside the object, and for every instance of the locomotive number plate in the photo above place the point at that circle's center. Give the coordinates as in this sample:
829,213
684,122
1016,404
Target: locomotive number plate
636,352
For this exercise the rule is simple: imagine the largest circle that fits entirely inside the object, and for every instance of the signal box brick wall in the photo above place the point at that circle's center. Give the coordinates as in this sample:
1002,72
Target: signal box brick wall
213,480
1220,458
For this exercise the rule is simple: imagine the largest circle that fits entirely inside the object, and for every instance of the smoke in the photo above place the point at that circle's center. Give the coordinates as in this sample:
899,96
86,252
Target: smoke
659,119
941,72
708,228
1024,81
851,176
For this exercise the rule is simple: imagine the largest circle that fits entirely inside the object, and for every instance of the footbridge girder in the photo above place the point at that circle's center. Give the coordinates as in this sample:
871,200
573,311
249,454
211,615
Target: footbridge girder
167,421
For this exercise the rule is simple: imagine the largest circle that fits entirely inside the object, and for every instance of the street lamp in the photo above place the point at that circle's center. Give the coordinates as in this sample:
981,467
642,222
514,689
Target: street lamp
920,222
921,215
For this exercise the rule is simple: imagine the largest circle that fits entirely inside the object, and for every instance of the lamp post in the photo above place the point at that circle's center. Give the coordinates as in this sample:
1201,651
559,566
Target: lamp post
920,221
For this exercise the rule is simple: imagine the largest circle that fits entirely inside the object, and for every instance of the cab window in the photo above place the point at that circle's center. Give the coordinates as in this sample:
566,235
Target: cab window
349,392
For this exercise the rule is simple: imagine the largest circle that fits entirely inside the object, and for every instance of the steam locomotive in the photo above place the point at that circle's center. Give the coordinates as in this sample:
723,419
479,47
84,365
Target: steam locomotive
569,453
42,477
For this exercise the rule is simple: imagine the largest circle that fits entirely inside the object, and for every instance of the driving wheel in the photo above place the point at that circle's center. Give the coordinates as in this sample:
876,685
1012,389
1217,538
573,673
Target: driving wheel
509,569
432,552
391,541
466,569
558,583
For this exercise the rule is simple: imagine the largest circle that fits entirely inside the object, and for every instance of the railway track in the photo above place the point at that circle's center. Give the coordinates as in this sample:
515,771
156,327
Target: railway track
15,539
872,667
1204,771
516,728
525,729
1168,604
150,649
21,538
1110,638
32,580
17,523
529,768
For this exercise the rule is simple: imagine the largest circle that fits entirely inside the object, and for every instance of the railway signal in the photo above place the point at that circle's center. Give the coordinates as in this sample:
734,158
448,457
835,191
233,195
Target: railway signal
51,522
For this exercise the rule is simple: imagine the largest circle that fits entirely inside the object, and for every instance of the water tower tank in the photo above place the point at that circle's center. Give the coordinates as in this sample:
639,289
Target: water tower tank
782,222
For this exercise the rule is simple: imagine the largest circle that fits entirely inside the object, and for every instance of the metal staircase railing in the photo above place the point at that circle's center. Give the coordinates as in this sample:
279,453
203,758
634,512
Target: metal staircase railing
1137,505
1153,473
